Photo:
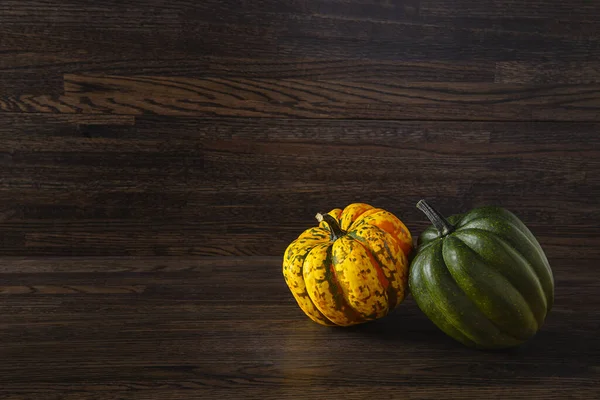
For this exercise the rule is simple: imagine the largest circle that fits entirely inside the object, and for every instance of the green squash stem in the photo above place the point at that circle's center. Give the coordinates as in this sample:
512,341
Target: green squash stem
334,227
440,223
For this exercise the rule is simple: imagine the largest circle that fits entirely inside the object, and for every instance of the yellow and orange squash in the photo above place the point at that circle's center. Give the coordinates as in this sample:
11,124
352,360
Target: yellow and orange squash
352,268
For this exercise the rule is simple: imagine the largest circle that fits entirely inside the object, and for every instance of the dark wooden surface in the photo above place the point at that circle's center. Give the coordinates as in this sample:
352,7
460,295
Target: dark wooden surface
223,327
156,158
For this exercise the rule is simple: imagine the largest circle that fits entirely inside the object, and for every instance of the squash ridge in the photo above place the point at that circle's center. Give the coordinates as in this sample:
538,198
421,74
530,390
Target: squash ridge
501,330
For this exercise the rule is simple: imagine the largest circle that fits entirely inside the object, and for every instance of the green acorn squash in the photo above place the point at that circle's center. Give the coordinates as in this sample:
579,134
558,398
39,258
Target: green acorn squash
481,277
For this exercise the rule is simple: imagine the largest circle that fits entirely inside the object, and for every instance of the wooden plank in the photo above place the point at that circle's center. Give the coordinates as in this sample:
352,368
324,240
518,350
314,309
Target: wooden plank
86,11
15,83
526,20
548,73
115,13
361,70
13,123
315,36
267,68
439,39
313,99
346,392
336,91
577,9
85,265
126,104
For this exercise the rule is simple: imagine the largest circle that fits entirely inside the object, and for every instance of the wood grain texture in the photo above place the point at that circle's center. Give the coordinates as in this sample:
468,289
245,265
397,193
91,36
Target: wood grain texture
156,158
31,82
214,327
176,186
152,36
547,73
291,98
209,66
576,10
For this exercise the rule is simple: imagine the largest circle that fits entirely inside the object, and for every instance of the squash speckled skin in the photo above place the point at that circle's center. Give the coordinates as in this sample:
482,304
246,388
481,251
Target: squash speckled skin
352,268
482,277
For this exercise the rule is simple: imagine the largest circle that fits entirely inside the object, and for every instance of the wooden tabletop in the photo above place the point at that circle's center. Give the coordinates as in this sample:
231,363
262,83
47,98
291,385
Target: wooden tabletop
227,327
156,158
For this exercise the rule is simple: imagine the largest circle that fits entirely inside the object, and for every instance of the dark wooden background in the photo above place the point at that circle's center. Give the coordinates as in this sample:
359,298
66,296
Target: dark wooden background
156,158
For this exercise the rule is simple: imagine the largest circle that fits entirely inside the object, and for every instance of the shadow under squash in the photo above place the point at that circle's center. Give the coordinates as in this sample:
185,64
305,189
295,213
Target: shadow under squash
409,325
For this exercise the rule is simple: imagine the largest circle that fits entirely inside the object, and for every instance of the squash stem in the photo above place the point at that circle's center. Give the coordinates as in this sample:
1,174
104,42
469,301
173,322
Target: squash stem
334,226
440,223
